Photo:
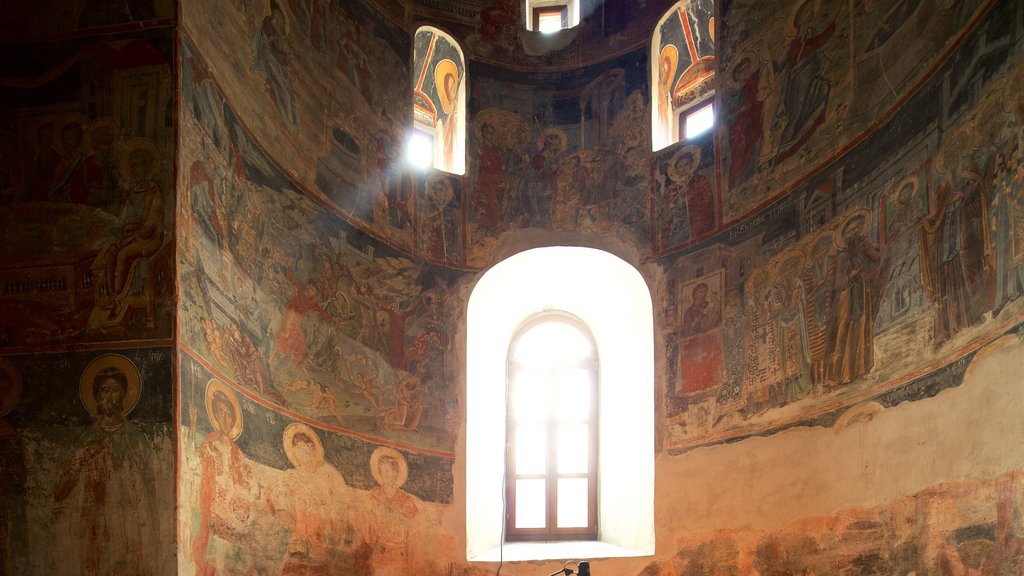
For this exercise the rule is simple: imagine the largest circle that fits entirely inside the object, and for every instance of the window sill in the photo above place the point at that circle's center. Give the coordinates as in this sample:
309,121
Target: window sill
583,550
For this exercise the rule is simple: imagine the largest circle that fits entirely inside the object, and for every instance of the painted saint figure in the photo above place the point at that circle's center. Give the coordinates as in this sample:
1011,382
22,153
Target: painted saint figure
804,90
702,314
227,491
291,338
447,82
491,183
856,291
312,500
106,486
385,548
270,60
142,224
667,63
956,269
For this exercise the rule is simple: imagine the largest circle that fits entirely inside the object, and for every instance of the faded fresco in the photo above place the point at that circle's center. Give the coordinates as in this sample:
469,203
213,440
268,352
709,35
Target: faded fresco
575,159
837,217
304,310
333,86
802,84
971,527
823,291
88,468
86,198
263,493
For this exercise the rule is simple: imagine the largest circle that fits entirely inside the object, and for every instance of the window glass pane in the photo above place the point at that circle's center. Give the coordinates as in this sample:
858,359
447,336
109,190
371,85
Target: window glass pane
552,342
530,503
573,448
573,394
531,449
572,502
550,21
531,395
700,121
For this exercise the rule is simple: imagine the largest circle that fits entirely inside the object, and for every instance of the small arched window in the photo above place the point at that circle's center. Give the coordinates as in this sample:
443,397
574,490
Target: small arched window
682,72
552,430
439,102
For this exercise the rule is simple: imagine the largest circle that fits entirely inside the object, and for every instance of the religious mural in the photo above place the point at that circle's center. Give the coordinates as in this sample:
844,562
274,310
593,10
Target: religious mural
266,493
337,327
684,50
439,97
87,463
86,199
825,289
798,90
321,291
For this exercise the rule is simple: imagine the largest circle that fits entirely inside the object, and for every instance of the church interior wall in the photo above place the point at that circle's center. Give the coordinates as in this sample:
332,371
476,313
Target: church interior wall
837,271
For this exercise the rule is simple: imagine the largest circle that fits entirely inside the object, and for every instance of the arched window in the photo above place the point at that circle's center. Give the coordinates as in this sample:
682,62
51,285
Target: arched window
439,102
596,300
682,72
552,15
551,464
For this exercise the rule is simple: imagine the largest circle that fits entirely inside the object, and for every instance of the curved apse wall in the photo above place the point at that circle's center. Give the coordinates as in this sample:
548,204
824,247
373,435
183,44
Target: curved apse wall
860,198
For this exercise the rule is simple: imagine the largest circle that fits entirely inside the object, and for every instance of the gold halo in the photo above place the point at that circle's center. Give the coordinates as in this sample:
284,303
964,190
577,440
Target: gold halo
690,149
825,234
913,180
791,262
138,144
289,448
403,466
10,400
731,81
95,125
862,213
215,385
672,53
131,397
562,138
791,31
444,68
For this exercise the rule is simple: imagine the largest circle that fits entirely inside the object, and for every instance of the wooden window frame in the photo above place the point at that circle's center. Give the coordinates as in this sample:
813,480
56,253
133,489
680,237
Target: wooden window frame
551,532
561,9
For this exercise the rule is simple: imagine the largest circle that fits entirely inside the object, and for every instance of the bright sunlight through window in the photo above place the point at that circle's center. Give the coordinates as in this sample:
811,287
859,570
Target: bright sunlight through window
597,308
700,121
420,150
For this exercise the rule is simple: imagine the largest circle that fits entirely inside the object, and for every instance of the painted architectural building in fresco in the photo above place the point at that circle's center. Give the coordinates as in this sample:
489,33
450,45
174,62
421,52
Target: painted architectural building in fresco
233,315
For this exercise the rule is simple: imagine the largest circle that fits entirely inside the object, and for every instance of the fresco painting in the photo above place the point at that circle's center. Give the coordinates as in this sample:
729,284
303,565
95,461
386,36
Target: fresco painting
438,96
913,252
700,338
275,495
685,53
341,329
684,199
790,78
87,453
88,195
